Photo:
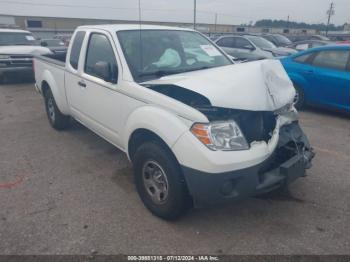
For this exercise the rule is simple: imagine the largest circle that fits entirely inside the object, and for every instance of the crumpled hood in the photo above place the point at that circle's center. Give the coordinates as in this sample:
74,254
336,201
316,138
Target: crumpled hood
256,86
24,50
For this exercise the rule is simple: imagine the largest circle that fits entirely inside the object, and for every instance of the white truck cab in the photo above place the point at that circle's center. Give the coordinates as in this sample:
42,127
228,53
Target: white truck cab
197,128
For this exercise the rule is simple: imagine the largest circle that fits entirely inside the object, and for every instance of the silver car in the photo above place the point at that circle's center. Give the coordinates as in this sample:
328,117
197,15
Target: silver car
252,44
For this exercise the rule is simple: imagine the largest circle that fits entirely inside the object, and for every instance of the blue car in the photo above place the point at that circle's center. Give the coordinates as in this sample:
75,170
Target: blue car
321,76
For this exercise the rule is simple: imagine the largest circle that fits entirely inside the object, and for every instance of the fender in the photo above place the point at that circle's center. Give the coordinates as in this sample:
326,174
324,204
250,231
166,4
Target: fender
58,91
168,126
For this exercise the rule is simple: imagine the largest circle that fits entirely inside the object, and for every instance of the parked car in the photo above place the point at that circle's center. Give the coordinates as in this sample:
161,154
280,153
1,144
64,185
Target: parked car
307,44
344,42
252,44
65,38
197,128
243,56
321,76
17,48
56,46
298,38
277,39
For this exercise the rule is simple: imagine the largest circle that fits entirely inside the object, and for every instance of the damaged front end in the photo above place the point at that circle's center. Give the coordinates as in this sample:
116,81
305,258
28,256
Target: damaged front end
254,142
289,161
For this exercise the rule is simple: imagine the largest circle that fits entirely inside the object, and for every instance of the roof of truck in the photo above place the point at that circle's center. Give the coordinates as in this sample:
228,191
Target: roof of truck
7,30
122,27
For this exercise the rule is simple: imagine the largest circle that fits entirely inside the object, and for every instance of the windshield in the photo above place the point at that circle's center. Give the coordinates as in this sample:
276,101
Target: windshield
8,38
261,42
166,52
283,40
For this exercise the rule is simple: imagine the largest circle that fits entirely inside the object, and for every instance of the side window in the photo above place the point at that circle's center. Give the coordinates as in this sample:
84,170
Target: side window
269,38
332,59
243,43
76,48
303,58
226,42
100,59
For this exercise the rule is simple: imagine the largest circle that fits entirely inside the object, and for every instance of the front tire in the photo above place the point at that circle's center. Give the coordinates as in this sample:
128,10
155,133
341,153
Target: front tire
159,181
57,120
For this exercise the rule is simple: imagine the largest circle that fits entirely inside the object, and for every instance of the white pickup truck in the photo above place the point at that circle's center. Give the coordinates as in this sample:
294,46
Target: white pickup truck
197,128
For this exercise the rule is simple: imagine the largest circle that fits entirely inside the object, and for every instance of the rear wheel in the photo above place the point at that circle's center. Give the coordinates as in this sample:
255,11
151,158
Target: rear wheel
299,100
57,120
159,181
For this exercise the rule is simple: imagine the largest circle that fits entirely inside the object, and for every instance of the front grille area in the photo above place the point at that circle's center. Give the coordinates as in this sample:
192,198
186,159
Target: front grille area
21,60
256,126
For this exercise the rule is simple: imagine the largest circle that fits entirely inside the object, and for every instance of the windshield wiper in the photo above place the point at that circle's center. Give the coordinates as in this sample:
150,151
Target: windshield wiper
200,68
161,73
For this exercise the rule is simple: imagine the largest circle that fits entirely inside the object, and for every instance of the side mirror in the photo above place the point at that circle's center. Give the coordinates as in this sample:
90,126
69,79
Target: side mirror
249,47
44,44
103,70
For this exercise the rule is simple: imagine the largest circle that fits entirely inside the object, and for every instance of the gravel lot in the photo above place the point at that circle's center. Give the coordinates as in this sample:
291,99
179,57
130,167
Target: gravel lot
72,193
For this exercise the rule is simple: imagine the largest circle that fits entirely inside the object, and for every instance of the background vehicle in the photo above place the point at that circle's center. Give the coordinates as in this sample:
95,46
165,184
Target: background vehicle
57,46
65,38
297,38
251,44
243,56
17,48
321,76
197,128
344,42
277,39
307,44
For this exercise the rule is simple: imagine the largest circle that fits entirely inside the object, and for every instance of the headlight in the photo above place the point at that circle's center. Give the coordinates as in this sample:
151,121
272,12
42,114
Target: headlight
224,136
4,56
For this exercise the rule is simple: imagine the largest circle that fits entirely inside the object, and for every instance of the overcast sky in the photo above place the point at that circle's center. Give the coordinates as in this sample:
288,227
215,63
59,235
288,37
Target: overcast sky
229,11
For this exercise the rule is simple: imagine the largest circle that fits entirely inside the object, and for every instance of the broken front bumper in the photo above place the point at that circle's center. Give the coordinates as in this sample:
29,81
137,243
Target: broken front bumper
293,155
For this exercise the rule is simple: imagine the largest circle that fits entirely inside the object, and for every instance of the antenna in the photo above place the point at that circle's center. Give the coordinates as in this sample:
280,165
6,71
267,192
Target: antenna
140,37
140,13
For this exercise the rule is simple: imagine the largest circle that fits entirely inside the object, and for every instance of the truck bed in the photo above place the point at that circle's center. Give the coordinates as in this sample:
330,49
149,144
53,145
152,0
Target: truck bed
52,69
58,59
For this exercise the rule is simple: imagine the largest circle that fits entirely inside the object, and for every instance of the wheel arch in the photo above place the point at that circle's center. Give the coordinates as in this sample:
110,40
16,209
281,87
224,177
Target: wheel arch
152,122
58,91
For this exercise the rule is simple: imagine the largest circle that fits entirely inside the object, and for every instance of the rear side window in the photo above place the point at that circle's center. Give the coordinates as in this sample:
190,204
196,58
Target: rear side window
226,42
76,48
100,50
243,43
332,59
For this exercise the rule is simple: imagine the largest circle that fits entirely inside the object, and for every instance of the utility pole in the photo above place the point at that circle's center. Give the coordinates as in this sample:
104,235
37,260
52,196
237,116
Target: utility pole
330,13
288,22
195,14
216,21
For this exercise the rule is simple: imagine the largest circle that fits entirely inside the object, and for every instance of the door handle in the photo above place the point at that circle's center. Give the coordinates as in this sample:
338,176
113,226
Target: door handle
82,84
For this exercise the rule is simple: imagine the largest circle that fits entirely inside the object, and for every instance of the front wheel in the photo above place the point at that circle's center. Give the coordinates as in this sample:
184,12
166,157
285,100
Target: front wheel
57,120
159,181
